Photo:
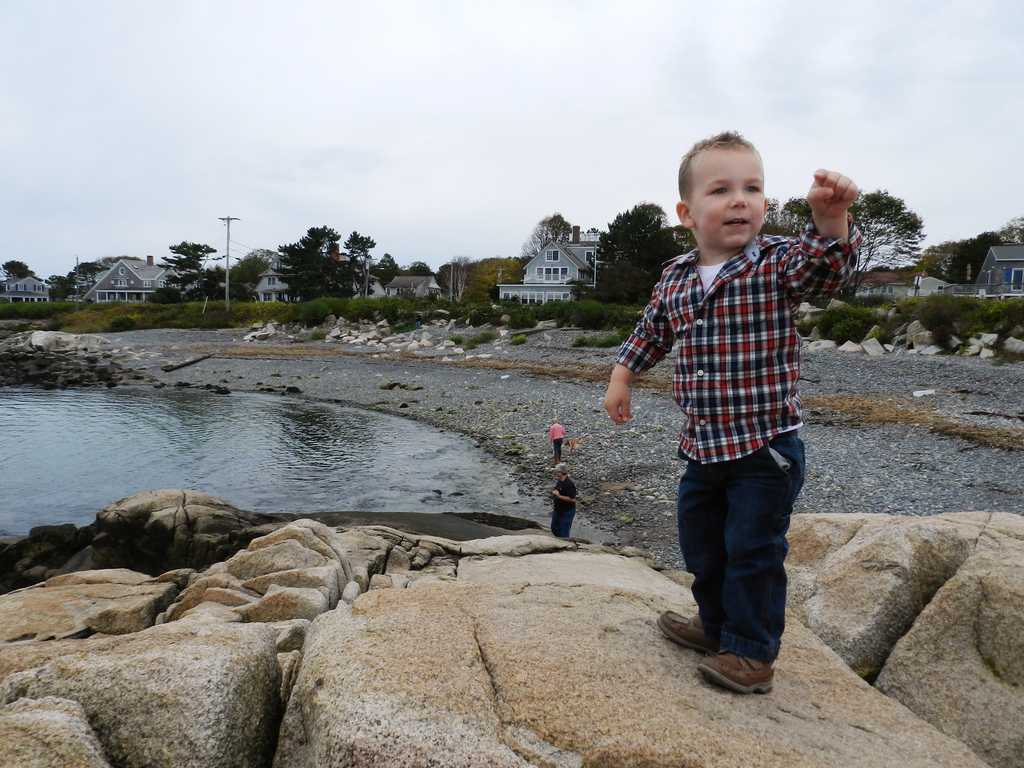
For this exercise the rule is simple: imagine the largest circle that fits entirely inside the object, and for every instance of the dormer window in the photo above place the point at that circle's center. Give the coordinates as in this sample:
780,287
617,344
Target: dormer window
552,255
589,256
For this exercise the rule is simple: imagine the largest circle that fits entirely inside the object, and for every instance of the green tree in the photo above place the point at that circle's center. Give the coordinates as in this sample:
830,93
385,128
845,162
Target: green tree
782,219
16,270
211,283
1012,232
386,269
313,266
892,233
245,273
187,265
420,268
62,287
358,248
959,261
486,274
633,252
551,228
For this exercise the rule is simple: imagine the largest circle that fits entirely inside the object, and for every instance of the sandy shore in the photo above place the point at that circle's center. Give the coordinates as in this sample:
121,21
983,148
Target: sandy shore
872,446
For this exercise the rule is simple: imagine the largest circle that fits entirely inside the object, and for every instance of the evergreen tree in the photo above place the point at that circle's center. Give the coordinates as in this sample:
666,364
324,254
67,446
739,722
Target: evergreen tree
314,266
15,270
187,264
386,269
358,248
633,253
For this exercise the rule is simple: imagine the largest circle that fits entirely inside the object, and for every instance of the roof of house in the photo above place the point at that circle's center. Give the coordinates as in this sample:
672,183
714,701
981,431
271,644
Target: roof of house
410,281
10,280
569,250
1008,252
887,278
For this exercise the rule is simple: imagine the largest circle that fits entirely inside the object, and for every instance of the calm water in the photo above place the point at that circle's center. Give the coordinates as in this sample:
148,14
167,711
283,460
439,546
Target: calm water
65,455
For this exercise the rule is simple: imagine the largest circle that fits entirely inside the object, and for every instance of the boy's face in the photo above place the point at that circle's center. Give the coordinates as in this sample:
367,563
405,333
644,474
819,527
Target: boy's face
725,205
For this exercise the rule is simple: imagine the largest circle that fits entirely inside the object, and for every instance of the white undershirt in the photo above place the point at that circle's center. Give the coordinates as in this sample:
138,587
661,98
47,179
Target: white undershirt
708,274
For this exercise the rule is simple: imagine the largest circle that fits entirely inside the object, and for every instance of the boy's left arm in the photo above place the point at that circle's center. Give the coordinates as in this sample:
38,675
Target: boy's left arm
825,256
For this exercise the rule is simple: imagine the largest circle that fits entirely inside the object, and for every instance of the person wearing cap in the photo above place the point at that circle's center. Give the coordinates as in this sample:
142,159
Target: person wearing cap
564,496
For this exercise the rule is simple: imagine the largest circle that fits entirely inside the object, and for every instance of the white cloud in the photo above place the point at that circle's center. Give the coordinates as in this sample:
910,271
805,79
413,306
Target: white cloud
448,128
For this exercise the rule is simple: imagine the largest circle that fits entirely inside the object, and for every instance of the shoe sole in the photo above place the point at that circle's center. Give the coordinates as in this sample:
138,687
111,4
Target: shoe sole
719,679
667,632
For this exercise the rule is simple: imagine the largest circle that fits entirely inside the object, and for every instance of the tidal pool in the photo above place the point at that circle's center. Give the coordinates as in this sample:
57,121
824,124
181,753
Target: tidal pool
66,454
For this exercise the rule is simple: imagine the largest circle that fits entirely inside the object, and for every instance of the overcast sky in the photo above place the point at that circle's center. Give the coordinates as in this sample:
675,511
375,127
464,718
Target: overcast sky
449,129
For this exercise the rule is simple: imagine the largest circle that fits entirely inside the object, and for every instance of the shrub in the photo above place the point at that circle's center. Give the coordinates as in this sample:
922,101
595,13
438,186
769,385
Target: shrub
314,312
481,338
34,310
455,339
318,334
846,323
518,339
122,323
166,295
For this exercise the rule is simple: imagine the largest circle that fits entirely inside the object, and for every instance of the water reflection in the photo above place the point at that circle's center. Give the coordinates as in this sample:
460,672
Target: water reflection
64,455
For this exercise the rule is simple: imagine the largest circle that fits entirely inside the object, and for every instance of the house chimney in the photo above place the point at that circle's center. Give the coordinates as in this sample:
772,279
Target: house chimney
575,234
149,260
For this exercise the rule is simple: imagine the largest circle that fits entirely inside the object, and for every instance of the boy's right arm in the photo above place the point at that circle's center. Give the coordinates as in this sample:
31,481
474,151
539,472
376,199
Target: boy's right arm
651,340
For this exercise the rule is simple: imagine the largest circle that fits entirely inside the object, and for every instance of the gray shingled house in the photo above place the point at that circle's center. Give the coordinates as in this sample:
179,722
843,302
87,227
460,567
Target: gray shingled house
1002,273
129,280
18,289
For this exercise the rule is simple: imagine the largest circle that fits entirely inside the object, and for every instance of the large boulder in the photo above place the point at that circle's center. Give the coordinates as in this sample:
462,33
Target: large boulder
48,733
156,531
961,665
859,581
521,664
112,602
181,695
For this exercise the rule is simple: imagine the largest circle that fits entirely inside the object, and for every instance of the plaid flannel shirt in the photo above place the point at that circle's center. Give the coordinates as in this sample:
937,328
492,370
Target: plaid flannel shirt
739,352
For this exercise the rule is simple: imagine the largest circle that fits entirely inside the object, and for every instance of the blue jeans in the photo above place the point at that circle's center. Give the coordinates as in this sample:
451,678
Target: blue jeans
561,522
733,519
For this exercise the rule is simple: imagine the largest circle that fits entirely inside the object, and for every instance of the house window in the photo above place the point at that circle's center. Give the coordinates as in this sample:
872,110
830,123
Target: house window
540,271
120,283
1017,280
120,270
160,283
552,256
590,257
565,297
147,283
565,272
271,280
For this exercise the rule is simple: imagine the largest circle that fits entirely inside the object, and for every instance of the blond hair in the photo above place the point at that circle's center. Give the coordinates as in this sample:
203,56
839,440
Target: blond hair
724,140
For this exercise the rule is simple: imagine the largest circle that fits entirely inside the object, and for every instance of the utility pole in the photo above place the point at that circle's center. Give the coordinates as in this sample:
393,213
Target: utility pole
227,263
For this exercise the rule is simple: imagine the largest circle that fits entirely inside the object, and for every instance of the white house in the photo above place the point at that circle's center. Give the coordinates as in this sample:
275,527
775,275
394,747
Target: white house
271,285
548,275
19,289
129,280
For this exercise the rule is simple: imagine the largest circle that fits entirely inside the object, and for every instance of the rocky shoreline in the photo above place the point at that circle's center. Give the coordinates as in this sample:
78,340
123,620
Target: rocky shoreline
504,397
367,645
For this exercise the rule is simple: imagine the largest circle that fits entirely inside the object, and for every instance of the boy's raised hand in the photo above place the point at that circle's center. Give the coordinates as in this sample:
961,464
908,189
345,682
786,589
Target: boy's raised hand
829,198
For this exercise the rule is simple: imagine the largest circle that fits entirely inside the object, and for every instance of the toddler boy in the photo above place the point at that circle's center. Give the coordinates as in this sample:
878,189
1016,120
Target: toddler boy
729,303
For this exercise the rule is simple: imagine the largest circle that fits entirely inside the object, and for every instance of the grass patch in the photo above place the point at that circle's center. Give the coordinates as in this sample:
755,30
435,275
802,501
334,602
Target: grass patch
318,334
891,410
603,340
518,339
485,337
456,339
